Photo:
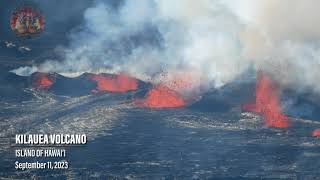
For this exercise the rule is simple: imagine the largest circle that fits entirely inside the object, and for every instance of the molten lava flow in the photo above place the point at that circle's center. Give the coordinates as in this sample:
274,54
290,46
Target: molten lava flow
42,81
316,133
114,83
161,97
267,103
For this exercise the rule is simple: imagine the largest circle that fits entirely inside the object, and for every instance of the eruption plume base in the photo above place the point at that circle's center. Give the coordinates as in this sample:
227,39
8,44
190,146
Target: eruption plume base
160,96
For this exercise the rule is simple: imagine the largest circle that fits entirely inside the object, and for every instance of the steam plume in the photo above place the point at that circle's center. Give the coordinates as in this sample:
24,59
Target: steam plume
217,39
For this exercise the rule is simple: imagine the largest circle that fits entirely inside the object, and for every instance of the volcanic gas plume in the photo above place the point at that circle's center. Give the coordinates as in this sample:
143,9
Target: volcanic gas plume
42,80
160,96
114,83
267,103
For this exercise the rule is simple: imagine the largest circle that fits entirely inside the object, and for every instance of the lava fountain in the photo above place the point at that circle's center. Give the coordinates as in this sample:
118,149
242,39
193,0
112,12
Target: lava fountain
42,80
316,133
173,90
180,81
267,103
114,83
160,96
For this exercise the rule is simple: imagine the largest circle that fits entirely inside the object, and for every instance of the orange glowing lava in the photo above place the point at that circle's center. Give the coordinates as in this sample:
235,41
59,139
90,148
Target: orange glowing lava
316,133
267,103
42,81
114,83
161,96
183,81
180,81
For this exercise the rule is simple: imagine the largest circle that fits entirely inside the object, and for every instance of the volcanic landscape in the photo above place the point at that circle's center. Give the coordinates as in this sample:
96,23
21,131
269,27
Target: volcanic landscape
170,90
143,130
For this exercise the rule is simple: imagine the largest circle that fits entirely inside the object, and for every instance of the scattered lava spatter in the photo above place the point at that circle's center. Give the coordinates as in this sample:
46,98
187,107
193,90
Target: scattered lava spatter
316,133
179,81
160,96
42,80
267,103
114,83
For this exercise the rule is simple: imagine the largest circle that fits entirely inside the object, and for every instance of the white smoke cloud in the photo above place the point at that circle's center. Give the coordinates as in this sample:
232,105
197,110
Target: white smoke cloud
217,39
283,38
